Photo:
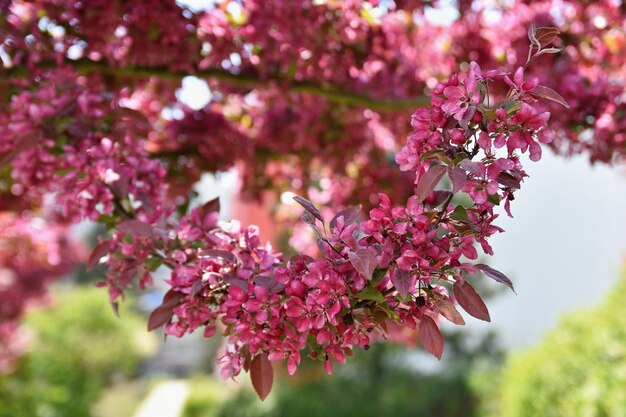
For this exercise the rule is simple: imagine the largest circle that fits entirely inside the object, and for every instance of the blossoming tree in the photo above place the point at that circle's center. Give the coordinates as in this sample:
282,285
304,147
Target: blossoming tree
311,97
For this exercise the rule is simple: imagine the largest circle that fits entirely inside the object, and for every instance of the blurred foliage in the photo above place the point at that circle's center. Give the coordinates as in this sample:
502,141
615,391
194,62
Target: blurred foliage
79,347
376,382
578,370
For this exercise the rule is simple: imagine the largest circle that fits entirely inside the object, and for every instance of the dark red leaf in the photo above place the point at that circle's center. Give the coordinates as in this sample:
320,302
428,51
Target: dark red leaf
159,317
449,311
495,274
438,197
163,313
468,298
98,252
546,35
402,281
308,206
508,180
261,375
350,215
431,336
429,181
364,262
550,94
458,178
211,206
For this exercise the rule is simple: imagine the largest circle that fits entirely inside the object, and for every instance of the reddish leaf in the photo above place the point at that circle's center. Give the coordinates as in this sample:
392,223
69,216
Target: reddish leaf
431,336
550,94
211,206
159,317
216,253
472,167
261,375
495,274
508,180
350,215
438,197
364,262
546,35
163,313
135,227
429,181
98,252
449,311
458,178
471,302
308,206
402,281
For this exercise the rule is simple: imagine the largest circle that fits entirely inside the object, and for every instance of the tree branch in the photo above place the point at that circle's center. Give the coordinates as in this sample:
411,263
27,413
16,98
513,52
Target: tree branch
330,92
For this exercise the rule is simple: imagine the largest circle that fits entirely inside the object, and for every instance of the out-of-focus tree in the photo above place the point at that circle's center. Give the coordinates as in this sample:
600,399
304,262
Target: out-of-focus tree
77,349
577,370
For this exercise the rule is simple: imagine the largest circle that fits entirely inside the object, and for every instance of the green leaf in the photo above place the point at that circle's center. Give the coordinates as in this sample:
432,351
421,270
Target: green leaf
459,214
371,293
378,275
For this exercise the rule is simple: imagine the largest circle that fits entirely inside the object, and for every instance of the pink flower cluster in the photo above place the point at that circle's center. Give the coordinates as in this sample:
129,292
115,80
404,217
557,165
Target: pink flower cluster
398,266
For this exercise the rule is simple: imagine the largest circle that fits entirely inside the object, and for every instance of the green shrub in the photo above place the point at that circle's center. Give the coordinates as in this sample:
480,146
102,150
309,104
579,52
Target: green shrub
578,370
370,385
79,347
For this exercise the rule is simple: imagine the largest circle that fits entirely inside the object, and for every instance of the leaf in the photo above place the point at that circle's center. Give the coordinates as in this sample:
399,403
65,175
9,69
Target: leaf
378,275
508,180
135,227
546,35
429,181
364,262
468,298
549,51
532,35
459,214
458,178
550,94
472,167
216,253
261,375
163,313
431,336
402,281
372,294
308,206
308,218
439,197
211,206
98,252
159,317
449,311
350,215
495,274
